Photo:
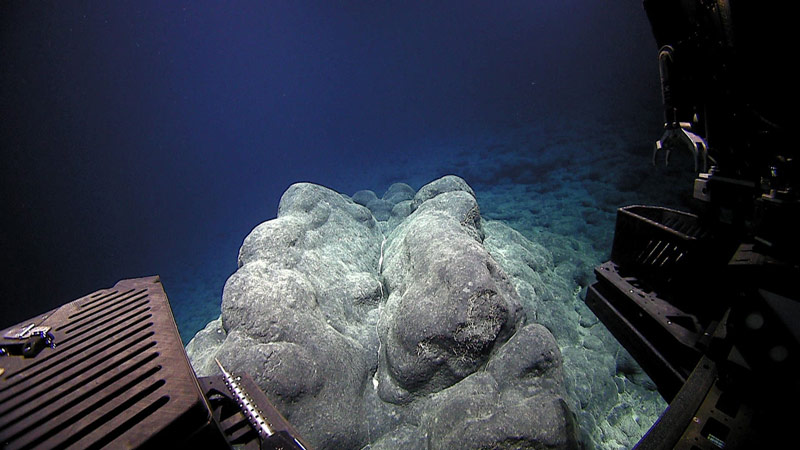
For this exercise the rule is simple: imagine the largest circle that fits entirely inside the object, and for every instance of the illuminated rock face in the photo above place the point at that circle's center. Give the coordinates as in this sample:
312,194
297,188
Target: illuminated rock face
449,303
399,333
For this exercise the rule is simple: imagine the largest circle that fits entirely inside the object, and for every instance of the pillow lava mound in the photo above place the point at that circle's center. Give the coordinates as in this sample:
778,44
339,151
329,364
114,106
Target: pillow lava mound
386,323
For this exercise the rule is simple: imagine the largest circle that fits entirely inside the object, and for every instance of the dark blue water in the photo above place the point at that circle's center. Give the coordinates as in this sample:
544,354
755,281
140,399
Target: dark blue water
148,137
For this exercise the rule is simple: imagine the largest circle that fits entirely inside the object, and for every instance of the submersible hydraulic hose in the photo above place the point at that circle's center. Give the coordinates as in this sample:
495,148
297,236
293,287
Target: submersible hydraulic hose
665,60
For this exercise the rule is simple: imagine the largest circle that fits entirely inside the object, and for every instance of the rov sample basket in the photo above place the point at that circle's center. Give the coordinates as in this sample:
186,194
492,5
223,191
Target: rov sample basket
659,245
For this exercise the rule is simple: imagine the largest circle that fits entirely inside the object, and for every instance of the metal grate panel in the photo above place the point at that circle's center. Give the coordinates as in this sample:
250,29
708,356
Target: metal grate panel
117,375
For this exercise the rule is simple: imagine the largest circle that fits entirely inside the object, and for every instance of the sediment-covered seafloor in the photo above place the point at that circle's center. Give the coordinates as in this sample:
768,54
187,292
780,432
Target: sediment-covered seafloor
407,321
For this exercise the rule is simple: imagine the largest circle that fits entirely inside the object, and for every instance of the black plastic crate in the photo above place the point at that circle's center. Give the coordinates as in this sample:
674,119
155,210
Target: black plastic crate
658,245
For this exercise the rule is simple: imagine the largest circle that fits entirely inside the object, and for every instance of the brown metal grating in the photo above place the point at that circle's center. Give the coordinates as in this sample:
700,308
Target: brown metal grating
118,376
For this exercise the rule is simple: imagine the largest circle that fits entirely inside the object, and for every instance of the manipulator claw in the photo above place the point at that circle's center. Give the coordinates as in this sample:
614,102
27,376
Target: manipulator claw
679,135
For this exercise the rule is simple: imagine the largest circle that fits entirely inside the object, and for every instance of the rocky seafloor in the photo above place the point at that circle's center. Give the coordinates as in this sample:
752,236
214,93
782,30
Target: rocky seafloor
409,321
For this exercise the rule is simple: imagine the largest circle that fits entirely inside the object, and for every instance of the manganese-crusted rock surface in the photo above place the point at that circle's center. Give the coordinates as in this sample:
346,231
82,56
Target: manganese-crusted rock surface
405,322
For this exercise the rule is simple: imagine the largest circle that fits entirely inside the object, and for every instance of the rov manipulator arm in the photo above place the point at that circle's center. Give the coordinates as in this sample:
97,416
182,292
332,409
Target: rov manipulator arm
725,81
707,300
